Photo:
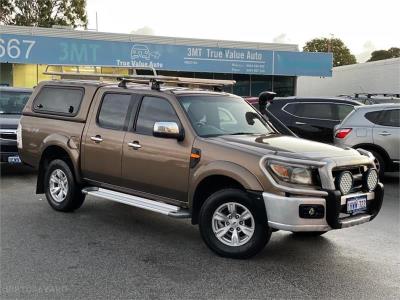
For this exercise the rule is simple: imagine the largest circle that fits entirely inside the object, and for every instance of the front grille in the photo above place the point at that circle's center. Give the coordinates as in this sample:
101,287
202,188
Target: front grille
357,173
8,148
8,136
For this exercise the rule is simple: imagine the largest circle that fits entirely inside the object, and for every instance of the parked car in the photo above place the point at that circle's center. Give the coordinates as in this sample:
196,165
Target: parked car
191,153
282,128
312,118
375,128
12,101
367,98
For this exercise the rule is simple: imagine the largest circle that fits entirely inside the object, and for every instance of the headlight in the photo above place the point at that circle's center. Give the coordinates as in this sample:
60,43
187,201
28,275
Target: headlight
19,136
291,174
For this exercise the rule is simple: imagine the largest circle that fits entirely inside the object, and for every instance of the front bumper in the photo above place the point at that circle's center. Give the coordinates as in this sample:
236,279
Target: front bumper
7,148
283,212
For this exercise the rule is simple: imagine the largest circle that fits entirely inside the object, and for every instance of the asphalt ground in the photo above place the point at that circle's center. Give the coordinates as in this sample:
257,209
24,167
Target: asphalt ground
108,250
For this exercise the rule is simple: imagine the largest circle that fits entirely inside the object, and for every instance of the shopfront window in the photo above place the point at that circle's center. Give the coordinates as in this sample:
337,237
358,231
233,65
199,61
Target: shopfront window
284,86
260,83
242,86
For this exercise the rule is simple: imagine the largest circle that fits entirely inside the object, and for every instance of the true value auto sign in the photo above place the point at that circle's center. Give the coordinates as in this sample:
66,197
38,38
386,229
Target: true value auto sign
70,51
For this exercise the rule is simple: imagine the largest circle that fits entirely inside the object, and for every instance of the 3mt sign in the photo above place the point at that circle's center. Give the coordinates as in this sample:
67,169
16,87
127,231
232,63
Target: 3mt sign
15,48
82,53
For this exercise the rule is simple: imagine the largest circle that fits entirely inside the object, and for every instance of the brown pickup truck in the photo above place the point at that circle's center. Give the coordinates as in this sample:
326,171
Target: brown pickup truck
191,153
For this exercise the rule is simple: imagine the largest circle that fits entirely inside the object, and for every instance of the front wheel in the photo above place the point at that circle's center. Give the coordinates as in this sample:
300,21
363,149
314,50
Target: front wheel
231,226
62,192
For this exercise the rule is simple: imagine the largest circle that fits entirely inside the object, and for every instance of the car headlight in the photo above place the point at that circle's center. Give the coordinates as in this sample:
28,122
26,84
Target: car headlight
291,174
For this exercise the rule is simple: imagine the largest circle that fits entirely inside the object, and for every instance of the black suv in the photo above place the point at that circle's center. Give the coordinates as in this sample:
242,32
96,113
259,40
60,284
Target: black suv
312,118
12,101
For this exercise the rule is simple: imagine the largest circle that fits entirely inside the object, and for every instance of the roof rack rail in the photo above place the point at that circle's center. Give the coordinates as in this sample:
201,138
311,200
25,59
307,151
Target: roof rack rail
154,80
369,95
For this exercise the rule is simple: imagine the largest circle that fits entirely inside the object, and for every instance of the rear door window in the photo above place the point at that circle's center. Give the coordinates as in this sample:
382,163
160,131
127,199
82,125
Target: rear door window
114,111
315,111
59,100
390,118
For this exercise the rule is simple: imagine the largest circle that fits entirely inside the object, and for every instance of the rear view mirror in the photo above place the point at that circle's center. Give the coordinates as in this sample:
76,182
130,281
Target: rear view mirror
167,130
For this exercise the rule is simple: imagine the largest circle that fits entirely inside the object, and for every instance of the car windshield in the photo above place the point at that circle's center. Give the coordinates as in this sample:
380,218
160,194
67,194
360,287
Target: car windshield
212,115
13,102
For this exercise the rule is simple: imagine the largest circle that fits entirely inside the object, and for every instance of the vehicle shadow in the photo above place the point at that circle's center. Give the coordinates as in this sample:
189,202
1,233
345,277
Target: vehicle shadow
17,169
391,177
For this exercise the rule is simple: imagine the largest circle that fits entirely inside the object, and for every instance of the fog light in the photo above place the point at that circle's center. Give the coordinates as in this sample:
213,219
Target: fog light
370,180
311,211
344,182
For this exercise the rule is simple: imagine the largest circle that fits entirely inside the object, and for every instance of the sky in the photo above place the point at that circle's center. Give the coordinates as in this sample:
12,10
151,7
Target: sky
363,26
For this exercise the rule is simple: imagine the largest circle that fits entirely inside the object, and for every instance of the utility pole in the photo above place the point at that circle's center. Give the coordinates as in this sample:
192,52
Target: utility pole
330,43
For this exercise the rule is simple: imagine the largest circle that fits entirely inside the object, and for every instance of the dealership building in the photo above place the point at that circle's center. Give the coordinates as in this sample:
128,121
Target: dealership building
26,51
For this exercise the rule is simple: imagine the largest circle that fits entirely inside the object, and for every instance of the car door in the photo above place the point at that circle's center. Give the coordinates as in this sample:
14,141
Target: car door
102,147
154,166
386,132
313,120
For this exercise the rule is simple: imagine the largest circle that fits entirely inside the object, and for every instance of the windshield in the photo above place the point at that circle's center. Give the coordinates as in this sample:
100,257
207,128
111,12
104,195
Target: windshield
222,115
13,102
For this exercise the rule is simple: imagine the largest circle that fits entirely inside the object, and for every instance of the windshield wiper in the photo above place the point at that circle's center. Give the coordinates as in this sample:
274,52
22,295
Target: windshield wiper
242,133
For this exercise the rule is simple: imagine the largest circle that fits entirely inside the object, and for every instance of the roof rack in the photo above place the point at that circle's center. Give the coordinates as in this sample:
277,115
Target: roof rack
154,80
369,95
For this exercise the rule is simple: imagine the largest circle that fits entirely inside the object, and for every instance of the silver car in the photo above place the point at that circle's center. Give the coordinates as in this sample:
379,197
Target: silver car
375,128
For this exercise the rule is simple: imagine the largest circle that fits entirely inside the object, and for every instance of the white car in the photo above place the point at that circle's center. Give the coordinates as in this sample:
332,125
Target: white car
375,128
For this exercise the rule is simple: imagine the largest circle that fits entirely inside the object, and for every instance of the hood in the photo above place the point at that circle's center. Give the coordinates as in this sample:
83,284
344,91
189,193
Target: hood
9,121
286,145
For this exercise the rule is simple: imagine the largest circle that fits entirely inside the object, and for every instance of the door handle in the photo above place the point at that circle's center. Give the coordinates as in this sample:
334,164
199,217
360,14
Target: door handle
384,133
96,139
300,123
135,145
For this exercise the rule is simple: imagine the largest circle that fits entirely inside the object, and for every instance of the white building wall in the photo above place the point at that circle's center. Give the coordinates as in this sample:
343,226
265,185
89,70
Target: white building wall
372,77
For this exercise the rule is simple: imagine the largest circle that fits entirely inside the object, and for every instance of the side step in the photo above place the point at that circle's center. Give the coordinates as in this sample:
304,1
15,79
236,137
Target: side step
159,207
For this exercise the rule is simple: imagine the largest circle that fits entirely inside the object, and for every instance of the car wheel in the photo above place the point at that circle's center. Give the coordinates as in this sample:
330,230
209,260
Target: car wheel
231,226
309,233
380,162
62,192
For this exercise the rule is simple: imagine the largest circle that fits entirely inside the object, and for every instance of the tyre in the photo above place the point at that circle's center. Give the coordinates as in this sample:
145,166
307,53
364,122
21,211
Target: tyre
381,164
231,226
62,192
309,233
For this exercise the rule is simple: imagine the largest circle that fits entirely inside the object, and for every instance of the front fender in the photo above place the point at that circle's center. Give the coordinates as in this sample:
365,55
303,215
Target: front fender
223,168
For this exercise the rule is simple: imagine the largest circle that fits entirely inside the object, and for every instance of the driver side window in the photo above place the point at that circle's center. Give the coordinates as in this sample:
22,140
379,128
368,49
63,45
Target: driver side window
154,110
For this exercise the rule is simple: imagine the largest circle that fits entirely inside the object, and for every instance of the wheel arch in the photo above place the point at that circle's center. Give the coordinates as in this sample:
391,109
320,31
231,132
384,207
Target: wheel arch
377,148
56,151
217,176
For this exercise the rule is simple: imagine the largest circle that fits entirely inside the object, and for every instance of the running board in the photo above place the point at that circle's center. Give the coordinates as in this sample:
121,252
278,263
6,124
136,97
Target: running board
159,207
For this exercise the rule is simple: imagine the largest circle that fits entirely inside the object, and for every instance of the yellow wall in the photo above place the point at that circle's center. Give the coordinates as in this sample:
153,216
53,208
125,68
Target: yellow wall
28,75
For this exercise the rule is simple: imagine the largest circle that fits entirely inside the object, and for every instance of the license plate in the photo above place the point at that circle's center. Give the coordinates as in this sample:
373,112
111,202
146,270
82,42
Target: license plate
14,160
356,204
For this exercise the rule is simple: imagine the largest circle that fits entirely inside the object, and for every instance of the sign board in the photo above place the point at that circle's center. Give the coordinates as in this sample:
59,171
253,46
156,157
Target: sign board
26,49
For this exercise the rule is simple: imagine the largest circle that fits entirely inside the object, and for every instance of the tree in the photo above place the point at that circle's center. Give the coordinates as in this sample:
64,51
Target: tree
44,13
385,54
341,54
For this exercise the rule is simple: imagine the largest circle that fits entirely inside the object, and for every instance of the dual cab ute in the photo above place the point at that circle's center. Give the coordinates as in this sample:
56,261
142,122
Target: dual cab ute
191,153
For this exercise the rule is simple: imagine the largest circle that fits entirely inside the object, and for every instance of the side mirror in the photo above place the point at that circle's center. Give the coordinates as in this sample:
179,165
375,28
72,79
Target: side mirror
168,130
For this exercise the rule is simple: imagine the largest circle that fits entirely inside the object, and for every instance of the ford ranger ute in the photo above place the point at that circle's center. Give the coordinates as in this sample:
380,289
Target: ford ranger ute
165,145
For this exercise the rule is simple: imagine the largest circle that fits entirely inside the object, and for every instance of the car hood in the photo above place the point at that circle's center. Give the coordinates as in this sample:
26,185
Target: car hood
9,121
284,145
